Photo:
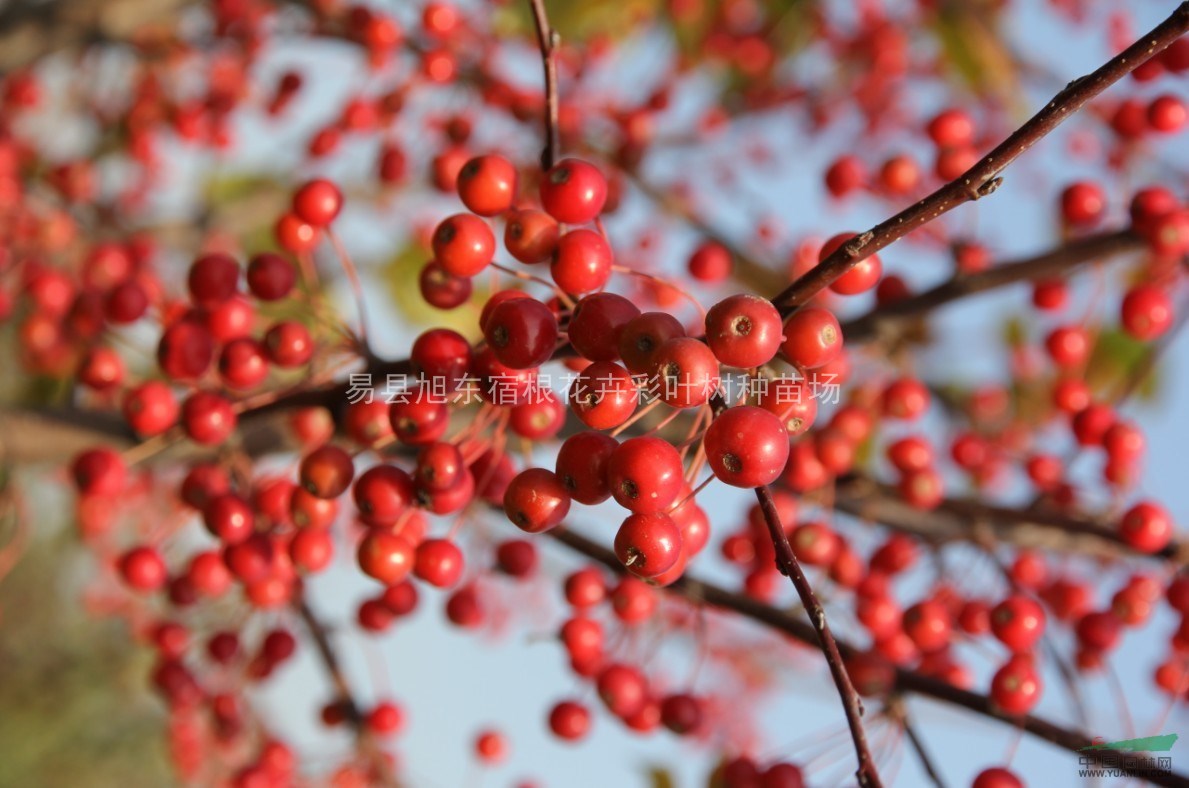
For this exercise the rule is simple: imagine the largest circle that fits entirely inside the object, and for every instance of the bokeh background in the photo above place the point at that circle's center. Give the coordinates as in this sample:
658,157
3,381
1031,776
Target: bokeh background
74,709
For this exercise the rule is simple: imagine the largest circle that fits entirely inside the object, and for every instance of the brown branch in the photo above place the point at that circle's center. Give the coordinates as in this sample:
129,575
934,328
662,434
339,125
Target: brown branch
905,680
966,519
918,746
380,766
548,40
983,178
786,561
1051,263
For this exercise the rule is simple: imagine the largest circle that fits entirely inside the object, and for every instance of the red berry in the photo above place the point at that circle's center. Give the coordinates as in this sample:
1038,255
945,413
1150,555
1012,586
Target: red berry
243,363
685,373
845,175
582,262
419,416
150,408
487,185
623,689
744,331
603,395
1016,687
1099,631
100,472
1149,205
438,562
229,517
521,332
1018,622
569,720
1147,527
270,276
143,569
905,398
531,236
648,544
1083,203
213,279
573,191
812,338
996,777
463,245
327,472
1146,312
516,558
900,175
643,335
382,494
186,350
1068,346
318,202
746,446
710,263
443,357
645,474
582,466
951,128
386,557
296,235
598,323
536,500
441,289
1167,114
928,624
288,344
208,418
1170,234
861,276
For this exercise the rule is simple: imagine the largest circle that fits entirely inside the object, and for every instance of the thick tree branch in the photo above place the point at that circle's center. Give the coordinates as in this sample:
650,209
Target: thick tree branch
983,178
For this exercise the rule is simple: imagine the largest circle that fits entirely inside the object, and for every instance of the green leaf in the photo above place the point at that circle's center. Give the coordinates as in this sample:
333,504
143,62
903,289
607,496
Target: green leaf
1115,358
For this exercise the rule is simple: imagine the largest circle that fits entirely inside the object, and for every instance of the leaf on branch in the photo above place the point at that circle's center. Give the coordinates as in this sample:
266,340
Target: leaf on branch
1115,358
974,49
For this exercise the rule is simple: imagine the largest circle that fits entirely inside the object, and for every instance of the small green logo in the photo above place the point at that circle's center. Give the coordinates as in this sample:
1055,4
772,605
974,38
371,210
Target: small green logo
1162,743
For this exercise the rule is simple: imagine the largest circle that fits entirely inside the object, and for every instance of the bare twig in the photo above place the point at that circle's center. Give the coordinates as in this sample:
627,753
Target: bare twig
786,561
905,680
1063,258
983,178
381,768
914,740
548,40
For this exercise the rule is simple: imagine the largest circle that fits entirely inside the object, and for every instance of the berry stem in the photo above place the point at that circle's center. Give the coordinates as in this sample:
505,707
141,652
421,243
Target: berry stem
356,288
